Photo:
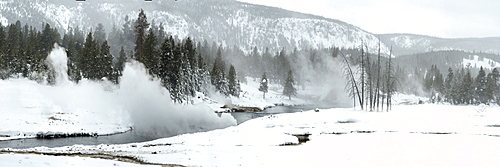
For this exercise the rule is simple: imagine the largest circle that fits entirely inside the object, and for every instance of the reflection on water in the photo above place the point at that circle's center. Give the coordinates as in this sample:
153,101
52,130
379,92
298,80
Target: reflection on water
136,136
128,137
245,116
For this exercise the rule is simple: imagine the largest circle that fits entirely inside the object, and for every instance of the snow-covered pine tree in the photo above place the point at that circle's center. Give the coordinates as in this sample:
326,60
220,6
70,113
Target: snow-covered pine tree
189,54
490,87
3,57
100,33
105,61
176,74
480,86
232,82
468,88
203,76
263,85
492,92
217,74
120,62
87,56
141,25
289,90
150,54
448,86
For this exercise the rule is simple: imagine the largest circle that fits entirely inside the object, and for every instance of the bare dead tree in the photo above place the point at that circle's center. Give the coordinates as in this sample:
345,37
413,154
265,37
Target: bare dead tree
351,86
377,95
389,81
362,74
369,81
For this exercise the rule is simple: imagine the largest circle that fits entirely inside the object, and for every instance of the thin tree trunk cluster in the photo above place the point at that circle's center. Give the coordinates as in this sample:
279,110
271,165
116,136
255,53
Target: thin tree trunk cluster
365,84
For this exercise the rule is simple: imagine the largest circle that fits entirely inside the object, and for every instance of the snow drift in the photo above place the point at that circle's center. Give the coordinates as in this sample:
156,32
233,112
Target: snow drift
139,101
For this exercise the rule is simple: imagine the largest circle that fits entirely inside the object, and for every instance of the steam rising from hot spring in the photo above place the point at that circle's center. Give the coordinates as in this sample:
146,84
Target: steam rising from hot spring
152,110
139,100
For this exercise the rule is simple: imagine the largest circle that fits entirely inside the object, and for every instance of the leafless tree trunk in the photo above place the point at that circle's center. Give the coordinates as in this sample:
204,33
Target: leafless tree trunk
352,86
369,75
389,82
377,98
362,73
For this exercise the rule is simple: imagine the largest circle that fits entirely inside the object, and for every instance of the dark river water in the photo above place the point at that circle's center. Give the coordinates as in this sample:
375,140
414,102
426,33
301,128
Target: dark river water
134,136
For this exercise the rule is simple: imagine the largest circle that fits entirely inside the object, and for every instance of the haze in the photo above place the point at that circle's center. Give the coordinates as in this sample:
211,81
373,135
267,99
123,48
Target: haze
439,18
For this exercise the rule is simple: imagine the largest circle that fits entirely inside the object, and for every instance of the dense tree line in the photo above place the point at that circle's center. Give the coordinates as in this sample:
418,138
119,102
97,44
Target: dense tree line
23,50
461,87
184,66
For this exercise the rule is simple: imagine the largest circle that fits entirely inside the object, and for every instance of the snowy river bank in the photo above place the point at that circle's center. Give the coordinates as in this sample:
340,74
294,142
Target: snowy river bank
409,135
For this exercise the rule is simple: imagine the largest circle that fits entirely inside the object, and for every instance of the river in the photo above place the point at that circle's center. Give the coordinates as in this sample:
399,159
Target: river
134,136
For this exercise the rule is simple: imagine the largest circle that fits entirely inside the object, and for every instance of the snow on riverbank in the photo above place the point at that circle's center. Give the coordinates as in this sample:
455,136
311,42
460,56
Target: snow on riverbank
139,102
409,135
33,160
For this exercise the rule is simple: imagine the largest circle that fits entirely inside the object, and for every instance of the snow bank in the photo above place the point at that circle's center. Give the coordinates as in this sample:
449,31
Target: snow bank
97,107
13,160
409,135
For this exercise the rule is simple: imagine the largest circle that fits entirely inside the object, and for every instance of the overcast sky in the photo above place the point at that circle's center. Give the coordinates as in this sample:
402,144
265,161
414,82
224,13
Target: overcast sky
440,18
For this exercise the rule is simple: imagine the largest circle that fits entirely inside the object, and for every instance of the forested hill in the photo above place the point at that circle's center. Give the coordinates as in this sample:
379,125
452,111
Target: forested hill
404,44
229,22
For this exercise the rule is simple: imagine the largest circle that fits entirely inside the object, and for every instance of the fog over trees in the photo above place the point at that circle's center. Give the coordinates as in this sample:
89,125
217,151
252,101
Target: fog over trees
186,66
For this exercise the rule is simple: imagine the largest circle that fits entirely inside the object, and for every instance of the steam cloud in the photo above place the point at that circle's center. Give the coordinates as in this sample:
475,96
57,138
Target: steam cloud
139,100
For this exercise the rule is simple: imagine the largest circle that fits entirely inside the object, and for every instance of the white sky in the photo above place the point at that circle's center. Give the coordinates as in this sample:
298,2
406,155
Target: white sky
440,18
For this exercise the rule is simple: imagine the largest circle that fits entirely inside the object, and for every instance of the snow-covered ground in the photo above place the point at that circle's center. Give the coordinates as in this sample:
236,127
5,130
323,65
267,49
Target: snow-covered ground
34,160
29,108
485,62
409,135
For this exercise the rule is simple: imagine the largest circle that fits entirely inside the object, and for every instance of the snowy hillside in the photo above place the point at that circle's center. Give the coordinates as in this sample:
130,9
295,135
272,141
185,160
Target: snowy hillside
476,62
224,21
411,44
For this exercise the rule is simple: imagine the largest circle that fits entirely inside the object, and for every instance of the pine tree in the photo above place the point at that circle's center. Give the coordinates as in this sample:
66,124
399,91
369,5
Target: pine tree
448,87
47,40
141,24
3,56
457,87
468,88
232,82
480,86
492,92
191,65
217,74
289,90
149,56
490,88
100,34
106,62
203,76
120,63
283,66
263,85
88,61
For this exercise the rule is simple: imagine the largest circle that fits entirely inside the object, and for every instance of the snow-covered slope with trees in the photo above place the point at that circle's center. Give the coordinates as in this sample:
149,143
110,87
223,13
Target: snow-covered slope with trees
224,21
477,62
411,44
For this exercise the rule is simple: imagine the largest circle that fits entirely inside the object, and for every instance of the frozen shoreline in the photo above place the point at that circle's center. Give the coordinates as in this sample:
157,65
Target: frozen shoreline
410,135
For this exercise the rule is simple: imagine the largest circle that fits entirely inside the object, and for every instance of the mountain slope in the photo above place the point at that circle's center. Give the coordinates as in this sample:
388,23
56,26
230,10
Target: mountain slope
224,21
411,44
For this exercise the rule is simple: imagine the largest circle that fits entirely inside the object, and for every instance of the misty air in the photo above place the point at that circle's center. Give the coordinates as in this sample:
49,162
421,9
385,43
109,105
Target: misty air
249,83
